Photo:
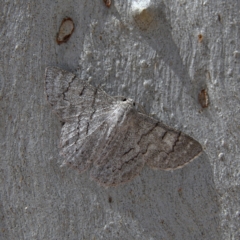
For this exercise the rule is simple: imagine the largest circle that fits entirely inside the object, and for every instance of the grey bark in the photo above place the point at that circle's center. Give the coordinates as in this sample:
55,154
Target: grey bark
159,53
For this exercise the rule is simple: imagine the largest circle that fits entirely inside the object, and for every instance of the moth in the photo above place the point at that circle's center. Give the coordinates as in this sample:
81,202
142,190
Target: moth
108,135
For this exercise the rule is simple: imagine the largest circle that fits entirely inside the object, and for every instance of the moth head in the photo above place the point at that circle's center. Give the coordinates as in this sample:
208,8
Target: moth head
127,101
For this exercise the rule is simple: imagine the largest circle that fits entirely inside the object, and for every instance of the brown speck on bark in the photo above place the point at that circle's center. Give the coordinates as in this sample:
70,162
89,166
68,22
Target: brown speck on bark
65,31
107,3
203,98
200,38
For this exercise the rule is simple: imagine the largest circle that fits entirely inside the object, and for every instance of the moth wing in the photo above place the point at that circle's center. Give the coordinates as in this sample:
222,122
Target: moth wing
167,148
121,158
82,140
83,109
71,97
139,140
78,149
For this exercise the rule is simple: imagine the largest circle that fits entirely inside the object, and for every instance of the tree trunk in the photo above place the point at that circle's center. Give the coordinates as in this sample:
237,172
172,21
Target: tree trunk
179,60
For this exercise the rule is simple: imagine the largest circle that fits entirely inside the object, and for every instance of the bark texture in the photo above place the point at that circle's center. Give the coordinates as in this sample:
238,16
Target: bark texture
162,54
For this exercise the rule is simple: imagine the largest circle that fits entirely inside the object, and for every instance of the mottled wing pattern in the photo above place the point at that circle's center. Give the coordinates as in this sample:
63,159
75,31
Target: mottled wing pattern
71,97
83,109
167,148
56,85
121,158
141,140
